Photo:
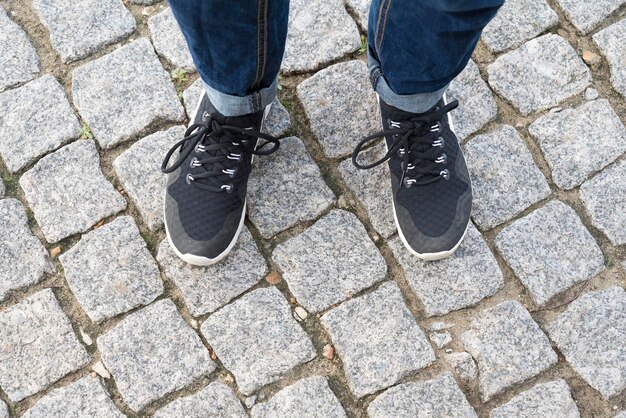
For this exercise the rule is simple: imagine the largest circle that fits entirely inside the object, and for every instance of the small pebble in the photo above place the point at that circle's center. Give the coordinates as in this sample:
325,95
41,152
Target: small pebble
590,57
563,32
329,351
101,370
228,379
273,278
56,251
86,338
440,326
194,323
441,339
591,94
342,202
301,313
250,401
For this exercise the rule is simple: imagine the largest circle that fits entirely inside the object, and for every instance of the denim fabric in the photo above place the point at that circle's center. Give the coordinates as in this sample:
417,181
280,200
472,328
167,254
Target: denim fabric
416,47
422,45
237,47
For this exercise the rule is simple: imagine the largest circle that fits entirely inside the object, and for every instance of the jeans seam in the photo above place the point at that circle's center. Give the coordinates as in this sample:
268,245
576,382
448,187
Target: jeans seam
261,42
382,27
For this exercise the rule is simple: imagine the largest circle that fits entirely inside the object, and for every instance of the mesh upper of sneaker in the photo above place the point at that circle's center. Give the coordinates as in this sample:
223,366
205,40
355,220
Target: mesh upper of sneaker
432,207
202,214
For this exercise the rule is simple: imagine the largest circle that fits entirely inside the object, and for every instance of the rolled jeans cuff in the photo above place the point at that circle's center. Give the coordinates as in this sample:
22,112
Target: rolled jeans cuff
230,105
413,103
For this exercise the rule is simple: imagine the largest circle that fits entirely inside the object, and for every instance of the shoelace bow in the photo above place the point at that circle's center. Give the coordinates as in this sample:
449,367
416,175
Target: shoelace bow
418,144
225,146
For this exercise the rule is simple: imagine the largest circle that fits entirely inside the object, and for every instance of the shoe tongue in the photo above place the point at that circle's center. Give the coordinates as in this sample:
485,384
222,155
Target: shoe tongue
243,121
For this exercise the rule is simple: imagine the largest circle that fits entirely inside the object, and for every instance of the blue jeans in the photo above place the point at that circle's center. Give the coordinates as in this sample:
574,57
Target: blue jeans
416,47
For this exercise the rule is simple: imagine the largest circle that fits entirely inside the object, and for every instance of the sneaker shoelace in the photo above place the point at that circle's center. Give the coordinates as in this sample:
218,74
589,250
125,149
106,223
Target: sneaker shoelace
224,147
418,143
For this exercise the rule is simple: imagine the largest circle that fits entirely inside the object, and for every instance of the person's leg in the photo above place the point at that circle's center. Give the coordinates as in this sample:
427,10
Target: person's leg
237,48
416,47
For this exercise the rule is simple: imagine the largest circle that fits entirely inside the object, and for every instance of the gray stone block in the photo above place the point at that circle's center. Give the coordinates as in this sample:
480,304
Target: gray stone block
84,398
436,398
18,59
4,410
518,21
68,192
111,271
476,103
603,197
463,365
122,93
278,121
459,281
169,41
2,188
609,40
36,119
552,399
139,171
80,28
387,345
362,9
368,186
153,352
586,15
309,397
206,289
544,262
578,142
330,261
591,334
556,73
505,179
281,196
38,346
320,31
508,346
341,106
257,339
24,258
216,401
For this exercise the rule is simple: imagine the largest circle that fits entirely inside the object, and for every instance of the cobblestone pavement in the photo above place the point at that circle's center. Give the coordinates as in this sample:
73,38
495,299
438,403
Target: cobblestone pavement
319,311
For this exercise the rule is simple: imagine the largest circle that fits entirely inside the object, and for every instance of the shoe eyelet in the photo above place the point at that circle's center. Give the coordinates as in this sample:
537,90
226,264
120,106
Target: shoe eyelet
442,159
236,157
232,172
193,163
400,152
189,178
228,188
439,142
445,174
408,182
199,148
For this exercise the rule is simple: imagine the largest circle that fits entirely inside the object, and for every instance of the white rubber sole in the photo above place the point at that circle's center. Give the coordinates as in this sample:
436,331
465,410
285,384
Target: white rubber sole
428,256
197,260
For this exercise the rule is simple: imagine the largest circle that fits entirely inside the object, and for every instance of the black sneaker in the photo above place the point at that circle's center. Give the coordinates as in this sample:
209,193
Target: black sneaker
205,197
432,193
